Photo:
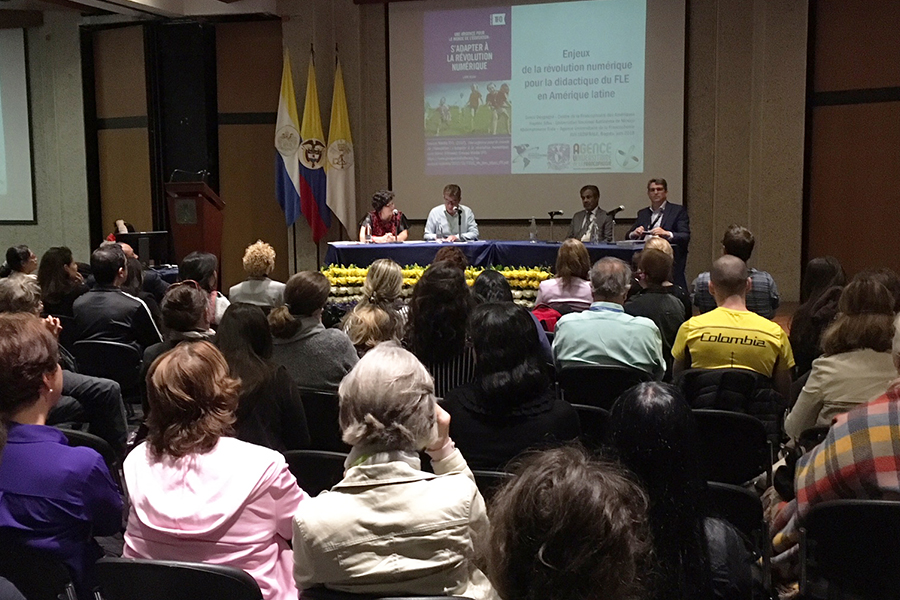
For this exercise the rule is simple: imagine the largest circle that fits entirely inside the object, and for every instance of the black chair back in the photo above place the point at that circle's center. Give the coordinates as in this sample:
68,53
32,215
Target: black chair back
99,445
316,470
743,510
111,360
67,336
853,547
131,579
38,575
489,482
595,385
733,447
322,409
323,593
812,437
593,425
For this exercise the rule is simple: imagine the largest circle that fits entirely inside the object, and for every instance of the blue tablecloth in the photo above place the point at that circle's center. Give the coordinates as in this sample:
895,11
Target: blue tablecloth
479,254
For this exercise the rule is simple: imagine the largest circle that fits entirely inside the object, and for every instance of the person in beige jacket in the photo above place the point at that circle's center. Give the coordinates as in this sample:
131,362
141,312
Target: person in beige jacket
388,527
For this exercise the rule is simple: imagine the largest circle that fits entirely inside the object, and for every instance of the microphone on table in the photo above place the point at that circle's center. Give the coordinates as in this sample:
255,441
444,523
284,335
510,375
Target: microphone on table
615,211
554,213
394,225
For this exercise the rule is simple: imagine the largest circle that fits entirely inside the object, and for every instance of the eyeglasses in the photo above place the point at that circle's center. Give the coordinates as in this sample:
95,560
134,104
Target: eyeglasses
189,282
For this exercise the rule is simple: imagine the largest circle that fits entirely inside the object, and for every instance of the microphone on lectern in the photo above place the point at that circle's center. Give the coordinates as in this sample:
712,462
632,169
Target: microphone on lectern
615,211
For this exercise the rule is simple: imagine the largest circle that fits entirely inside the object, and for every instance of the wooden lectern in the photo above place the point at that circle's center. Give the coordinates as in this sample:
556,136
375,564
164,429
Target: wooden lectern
195,218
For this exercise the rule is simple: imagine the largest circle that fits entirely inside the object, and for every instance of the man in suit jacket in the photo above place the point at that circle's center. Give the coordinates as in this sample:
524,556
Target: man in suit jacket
668,221
600,229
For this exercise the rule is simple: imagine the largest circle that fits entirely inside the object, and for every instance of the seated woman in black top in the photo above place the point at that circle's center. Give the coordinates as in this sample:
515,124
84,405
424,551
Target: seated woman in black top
270,412
510,407
60,281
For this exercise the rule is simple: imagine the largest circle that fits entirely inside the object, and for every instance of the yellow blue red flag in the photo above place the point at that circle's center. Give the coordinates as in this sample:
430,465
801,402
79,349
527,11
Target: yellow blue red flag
287,146
312,160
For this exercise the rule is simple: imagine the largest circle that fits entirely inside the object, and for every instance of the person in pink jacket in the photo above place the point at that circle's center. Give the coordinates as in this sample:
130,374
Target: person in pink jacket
199,496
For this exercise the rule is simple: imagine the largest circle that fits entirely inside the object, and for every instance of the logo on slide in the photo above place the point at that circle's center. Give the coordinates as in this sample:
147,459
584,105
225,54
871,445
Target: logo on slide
498,19
628,156
558,156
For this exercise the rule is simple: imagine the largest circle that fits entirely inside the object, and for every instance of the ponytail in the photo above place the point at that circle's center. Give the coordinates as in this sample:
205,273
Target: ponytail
282,322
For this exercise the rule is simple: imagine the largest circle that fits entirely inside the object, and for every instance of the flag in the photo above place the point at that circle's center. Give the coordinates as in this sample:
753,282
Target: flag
312,161
340,164
287,146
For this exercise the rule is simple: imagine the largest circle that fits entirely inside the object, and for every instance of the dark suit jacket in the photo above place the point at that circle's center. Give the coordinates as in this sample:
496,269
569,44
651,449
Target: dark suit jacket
675,219
580,222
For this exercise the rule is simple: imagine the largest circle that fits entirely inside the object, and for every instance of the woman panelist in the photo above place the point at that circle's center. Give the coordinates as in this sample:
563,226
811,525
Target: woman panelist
384,224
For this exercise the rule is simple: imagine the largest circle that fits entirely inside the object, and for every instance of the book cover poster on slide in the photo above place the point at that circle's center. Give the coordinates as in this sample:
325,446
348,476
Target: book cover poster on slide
539,88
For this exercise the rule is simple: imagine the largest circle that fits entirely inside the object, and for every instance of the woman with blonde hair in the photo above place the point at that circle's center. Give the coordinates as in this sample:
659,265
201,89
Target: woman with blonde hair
389,528
856,365
377,317
258,289
199,495
570,288
316,358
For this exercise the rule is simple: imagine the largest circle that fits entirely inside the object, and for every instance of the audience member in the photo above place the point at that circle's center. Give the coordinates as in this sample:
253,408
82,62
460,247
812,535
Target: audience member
653,433
386,506
658,243
88,399
109,314
185,318
315,357
604,334
269,411
492,286
197,494
656,303
380,315
819,293
258,289
510,406
20,262
666,220
203,268
762,298
889,279
570,290
568,527
591,224
60,281
731,336
856,366
52,497
153,283
452,255
436,329
134,285
384,223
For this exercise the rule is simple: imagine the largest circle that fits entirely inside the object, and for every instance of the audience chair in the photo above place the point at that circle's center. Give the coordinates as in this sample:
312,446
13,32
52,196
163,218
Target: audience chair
323,593
99,445
596,385
132,579
849,549
489,482
593,421
316,470
735,390
37,574
67,337
812,437
111,360
322,409
733,447
743,510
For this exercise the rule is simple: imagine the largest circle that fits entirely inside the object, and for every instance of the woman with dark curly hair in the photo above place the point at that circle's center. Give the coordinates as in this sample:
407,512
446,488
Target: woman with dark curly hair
436,330
270,412
653,433
196,493
568,527
510,407
384,223
60,281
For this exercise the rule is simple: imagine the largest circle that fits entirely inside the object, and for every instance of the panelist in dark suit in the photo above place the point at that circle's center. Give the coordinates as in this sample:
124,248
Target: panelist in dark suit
591,224
669,221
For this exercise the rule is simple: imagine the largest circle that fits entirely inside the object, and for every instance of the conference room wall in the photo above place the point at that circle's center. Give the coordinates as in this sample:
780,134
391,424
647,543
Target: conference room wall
57,131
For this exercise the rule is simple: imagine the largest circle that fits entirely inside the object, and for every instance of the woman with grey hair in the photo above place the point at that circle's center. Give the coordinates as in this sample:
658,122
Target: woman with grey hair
386,506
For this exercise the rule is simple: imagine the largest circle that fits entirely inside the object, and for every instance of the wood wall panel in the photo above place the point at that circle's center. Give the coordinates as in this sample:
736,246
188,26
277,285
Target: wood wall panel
119,72
249,66
853,184
247,184
124,177
856,44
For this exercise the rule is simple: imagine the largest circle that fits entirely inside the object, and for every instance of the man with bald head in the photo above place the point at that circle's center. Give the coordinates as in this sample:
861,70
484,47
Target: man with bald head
732,336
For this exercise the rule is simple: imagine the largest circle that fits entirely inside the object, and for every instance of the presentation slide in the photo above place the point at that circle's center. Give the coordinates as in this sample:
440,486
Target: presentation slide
16,189
523,102
497,102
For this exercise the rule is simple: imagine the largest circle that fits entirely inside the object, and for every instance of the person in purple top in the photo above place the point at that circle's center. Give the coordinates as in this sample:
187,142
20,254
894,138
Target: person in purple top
52,497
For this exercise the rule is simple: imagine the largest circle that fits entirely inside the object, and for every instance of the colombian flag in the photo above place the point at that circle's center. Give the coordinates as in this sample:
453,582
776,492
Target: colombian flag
287,145
341,181
312,161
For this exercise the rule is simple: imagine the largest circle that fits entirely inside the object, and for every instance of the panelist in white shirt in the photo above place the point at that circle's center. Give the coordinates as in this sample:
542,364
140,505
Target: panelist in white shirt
451,221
